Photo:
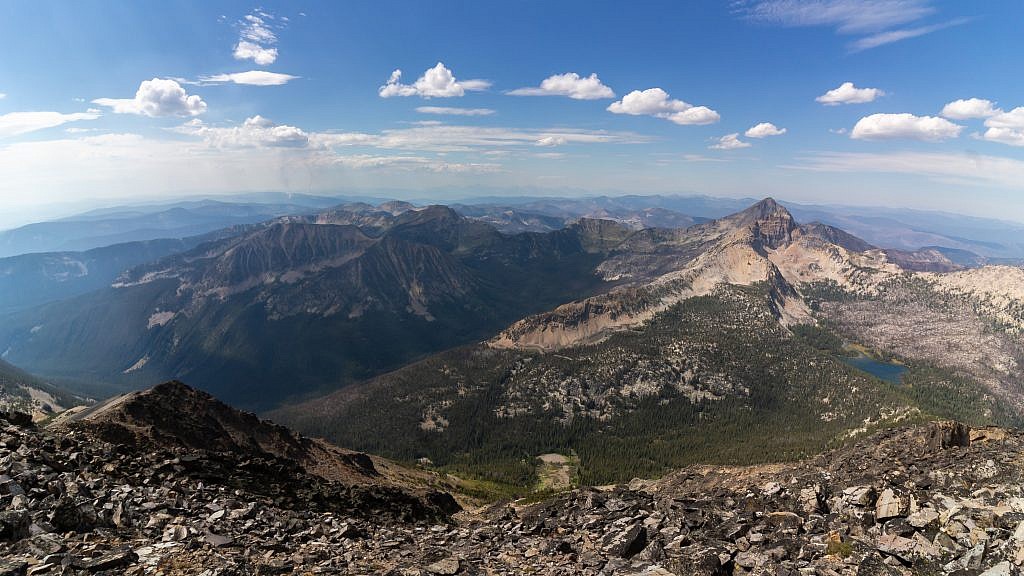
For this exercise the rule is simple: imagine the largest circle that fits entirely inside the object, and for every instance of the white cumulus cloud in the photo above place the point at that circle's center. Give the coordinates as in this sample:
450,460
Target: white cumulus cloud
1005,136
16,123
450,111
256,39
656,102
763,130
904,126
157,97
969,108
1006,127
569,84
847,93
437,82
254,132
260,55
250,78
730,142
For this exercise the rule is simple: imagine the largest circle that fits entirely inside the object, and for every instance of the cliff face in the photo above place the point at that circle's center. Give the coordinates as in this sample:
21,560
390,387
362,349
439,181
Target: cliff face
771,225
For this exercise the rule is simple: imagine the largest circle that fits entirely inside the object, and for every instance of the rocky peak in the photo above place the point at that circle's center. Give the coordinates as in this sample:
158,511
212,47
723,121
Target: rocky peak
836,236
771,224
396,207
599,235
442,227
432,213
175,415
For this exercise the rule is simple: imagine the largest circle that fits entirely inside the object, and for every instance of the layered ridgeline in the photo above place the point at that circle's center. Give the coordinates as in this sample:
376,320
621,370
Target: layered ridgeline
728,341
127,224
305,304
30,280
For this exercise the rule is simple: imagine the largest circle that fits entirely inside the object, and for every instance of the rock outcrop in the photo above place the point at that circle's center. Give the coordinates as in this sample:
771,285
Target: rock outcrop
933,499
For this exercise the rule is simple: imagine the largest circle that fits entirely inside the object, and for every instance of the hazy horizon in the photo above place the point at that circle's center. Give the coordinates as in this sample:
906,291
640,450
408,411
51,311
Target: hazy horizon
72,210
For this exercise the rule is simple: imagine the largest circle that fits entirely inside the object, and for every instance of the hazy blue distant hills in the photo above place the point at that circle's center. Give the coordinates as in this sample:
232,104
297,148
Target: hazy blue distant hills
898,228
131,224
29,280
702,207
907,229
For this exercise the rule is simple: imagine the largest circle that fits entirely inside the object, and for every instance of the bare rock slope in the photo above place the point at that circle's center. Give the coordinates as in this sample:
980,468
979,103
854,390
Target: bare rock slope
935,499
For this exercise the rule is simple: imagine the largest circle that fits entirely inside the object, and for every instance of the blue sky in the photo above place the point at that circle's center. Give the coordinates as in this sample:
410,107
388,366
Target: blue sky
168,99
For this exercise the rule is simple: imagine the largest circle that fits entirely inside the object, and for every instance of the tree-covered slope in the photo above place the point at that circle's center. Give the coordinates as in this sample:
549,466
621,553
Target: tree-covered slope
714,379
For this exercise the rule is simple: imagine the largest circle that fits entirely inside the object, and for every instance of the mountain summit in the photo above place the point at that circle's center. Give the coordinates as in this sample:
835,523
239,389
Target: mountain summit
772,224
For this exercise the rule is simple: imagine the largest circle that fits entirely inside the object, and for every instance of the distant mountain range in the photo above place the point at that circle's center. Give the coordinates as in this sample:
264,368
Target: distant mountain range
316,301
33,279
487,334
895,228
106,227
727,341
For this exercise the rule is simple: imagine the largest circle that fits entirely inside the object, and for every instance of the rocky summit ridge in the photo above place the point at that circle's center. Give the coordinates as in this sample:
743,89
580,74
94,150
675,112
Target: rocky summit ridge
115,490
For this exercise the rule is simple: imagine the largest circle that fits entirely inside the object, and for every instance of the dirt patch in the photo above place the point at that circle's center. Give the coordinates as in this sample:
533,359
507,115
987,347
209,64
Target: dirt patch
556,472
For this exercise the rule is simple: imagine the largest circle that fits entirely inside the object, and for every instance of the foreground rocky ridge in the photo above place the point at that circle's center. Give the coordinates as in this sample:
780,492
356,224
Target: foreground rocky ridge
172,481
939,498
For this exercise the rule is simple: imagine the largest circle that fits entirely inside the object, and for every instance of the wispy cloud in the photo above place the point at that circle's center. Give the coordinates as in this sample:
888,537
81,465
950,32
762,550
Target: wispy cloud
451,111
445,138
971,169
250,78
17,123
700,158
433,137
877,22
890,36
368,161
